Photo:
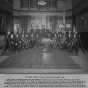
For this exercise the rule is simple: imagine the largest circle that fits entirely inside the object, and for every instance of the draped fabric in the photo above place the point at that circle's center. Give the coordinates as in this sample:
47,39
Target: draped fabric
6,23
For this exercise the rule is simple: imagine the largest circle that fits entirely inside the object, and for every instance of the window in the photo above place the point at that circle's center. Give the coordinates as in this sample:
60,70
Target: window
24,3
33,3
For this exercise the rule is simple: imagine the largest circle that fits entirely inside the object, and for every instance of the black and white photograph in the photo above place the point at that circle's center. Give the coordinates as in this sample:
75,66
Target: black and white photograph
44,36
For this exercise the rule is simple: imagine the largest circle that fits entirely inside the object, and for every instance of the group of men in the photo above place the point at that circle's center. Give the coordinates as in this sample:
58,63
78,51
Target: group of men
33,38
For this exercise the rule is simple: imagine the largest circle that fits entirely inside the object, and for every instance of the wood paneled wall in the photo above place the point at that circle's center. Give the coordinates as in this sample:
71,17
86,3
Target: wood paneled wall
50,4
26,23
6,19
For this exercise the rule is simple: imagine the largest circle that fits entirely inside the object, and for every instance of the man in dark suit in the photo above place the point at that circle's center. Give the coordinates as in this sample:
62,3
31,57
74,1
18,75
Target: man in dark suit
3,42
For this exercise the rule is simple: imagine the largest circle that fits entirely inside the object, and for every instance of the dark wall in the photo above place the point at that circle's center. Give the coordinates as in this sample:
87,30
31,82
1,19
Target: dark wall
6,5
80,15
6,15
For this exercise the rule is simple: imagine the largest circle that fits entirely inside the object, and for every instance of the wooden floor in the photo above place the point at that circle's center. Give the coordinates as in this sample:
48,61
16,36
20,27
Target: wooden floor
41,58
